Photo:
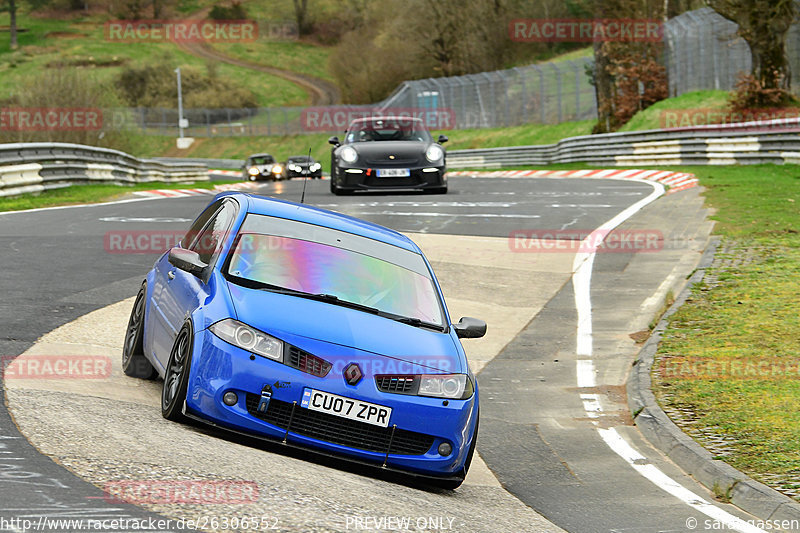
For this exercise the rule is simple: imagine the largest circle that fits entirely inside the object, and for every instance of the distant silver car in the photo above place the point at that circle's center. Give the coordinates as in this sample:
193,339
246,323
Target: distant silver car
262,167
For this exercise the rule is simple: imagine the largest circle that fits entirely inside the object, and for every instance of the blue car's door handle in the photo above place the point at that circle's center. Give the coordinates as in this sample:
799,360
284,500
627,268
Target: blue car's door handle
171,275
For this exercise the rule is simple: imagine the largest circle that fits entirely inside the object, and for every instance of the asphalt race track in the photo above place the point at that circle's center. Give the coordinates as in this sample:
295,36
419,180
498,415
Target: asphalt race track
545,444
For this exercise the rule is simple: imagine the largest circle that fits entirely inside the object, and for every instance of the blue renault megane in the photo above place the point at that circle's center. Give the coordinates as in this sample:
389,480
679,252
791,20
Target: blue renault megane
289,322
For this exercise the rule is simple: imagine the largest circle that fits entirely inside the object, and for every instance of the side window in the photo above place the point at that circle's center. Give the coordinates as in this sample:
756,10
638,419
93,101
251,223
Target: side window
209,243
198,224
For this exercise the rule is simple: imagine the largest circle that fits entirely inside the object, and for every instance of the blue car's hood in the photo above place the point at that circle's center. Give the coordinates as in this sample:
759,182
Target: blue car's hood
292,318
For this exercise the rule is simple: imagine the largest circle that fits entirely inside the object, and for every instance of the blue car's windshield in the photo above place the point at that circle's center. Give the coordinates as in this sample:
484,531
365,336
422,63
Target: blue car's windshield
324,264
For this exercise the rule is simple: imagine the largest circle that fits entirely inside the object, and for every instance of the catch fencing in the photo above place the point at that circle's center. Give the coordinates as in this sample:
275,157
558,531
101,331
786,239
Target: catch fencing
703,51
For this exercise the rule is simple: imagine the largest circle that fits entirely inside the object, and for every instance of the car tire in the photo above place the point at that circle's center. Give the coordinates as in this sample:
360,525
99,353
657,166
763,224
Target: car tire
134,363
334,189
438,190
176,375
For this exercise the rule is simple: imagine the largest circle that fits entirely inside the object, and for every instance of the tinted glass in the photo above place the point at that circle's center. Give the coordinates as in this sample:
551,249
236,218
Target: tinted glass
199,223
387,130
262,160
210,240
319,268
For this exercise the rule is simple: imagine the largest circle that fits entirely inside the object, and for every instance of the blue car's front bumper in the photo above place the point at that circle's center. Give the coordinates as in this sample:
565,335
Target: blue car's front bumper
422,423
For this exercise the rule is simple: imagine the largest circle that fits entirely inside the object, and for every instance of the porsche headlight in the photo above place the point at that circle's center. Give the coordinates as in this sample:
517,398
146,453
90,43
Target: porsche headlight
452,386
434,153
248,338
277,169
294,168
348,154
315,167
253,171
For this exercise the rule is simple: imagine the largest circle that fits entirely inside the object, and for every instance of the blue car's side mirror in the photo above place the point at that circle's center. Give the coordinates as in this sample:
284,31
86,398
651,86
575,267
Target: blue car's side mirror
187,260
470,328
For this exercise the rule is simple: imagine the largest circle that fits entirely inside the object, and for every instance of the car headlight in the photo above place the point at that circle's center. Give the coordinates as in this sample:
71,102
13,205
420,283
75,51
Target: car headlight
315,167
348,154
248,338
294,168
277,169
453,386
434,153
253,171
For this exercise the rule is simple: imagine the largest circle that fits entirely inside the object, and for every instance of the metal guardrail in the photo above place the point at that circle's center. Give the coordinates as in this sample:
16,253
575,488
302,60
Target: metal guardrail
36,167
775,141
221,164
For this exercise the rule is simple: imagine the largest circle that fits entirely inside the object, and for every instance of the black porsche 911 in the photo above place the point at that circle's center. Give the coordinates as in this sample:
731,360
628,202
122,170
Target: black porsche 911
388,153
302,166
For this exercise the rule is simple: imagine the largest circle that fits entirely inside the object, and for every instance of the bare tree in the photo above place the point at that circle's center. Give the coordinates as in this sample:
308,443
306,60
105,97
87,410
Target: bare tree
763,24
301,16
11,7
615,63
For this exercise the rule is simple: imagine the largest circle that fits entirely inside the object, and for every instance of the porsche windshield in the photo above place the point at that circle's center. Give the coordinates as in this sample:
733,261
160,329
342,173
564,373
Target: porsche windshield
387,130
275,254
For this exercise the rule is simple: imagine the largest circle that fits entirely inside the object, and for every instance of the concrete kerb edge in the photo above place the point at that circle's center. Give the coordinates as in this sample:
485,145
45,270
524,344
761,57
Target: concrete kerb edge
749,495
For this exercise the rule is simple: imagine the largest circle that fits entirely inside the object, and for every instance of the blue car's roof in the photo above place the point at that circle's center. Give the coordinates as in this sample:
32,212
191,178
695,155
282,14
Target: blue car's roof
262,205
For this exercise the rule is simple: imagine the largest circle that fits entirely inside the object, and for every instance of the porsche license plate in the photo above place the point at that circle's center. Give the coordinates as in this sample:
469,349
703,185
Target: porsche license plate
334,404
393,172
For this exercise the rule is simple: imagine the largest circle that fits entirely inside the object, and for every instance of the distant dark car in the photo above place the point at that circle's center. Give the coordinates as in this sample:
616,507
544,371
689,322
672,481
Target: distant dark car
262,167
299,166
388,153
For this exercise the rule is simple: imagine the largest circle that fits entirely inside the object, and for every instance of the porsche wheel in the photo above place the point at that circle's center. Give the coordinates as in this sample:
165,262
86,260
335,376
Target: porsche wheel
176,377
134,363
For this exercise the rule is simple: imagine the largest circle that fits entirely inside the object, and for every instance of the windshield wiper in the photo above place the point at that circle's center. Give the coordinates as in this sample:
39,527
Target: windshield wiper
335,300
328,298
412,321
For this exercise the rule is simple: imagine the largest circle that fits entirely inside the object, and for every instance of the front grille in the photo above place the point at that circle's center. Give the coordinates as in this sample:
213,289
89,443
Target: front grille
397,384
338,430
412,181
306,362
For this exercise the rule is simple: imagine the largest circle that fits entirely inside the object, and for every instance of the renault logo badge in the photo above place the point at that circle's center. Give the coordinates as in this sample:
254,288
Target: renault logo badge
352,374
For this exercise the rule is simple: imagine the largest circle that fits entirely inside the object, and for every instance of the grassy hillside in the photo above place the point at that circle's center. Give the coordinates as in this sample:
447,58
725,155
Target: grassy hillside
80,43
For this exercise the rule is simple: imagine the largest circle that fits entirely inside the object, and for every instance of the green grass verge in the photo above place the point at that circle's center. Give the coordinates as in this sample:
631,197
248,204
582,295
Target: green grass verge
654,117
730,355
91,193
